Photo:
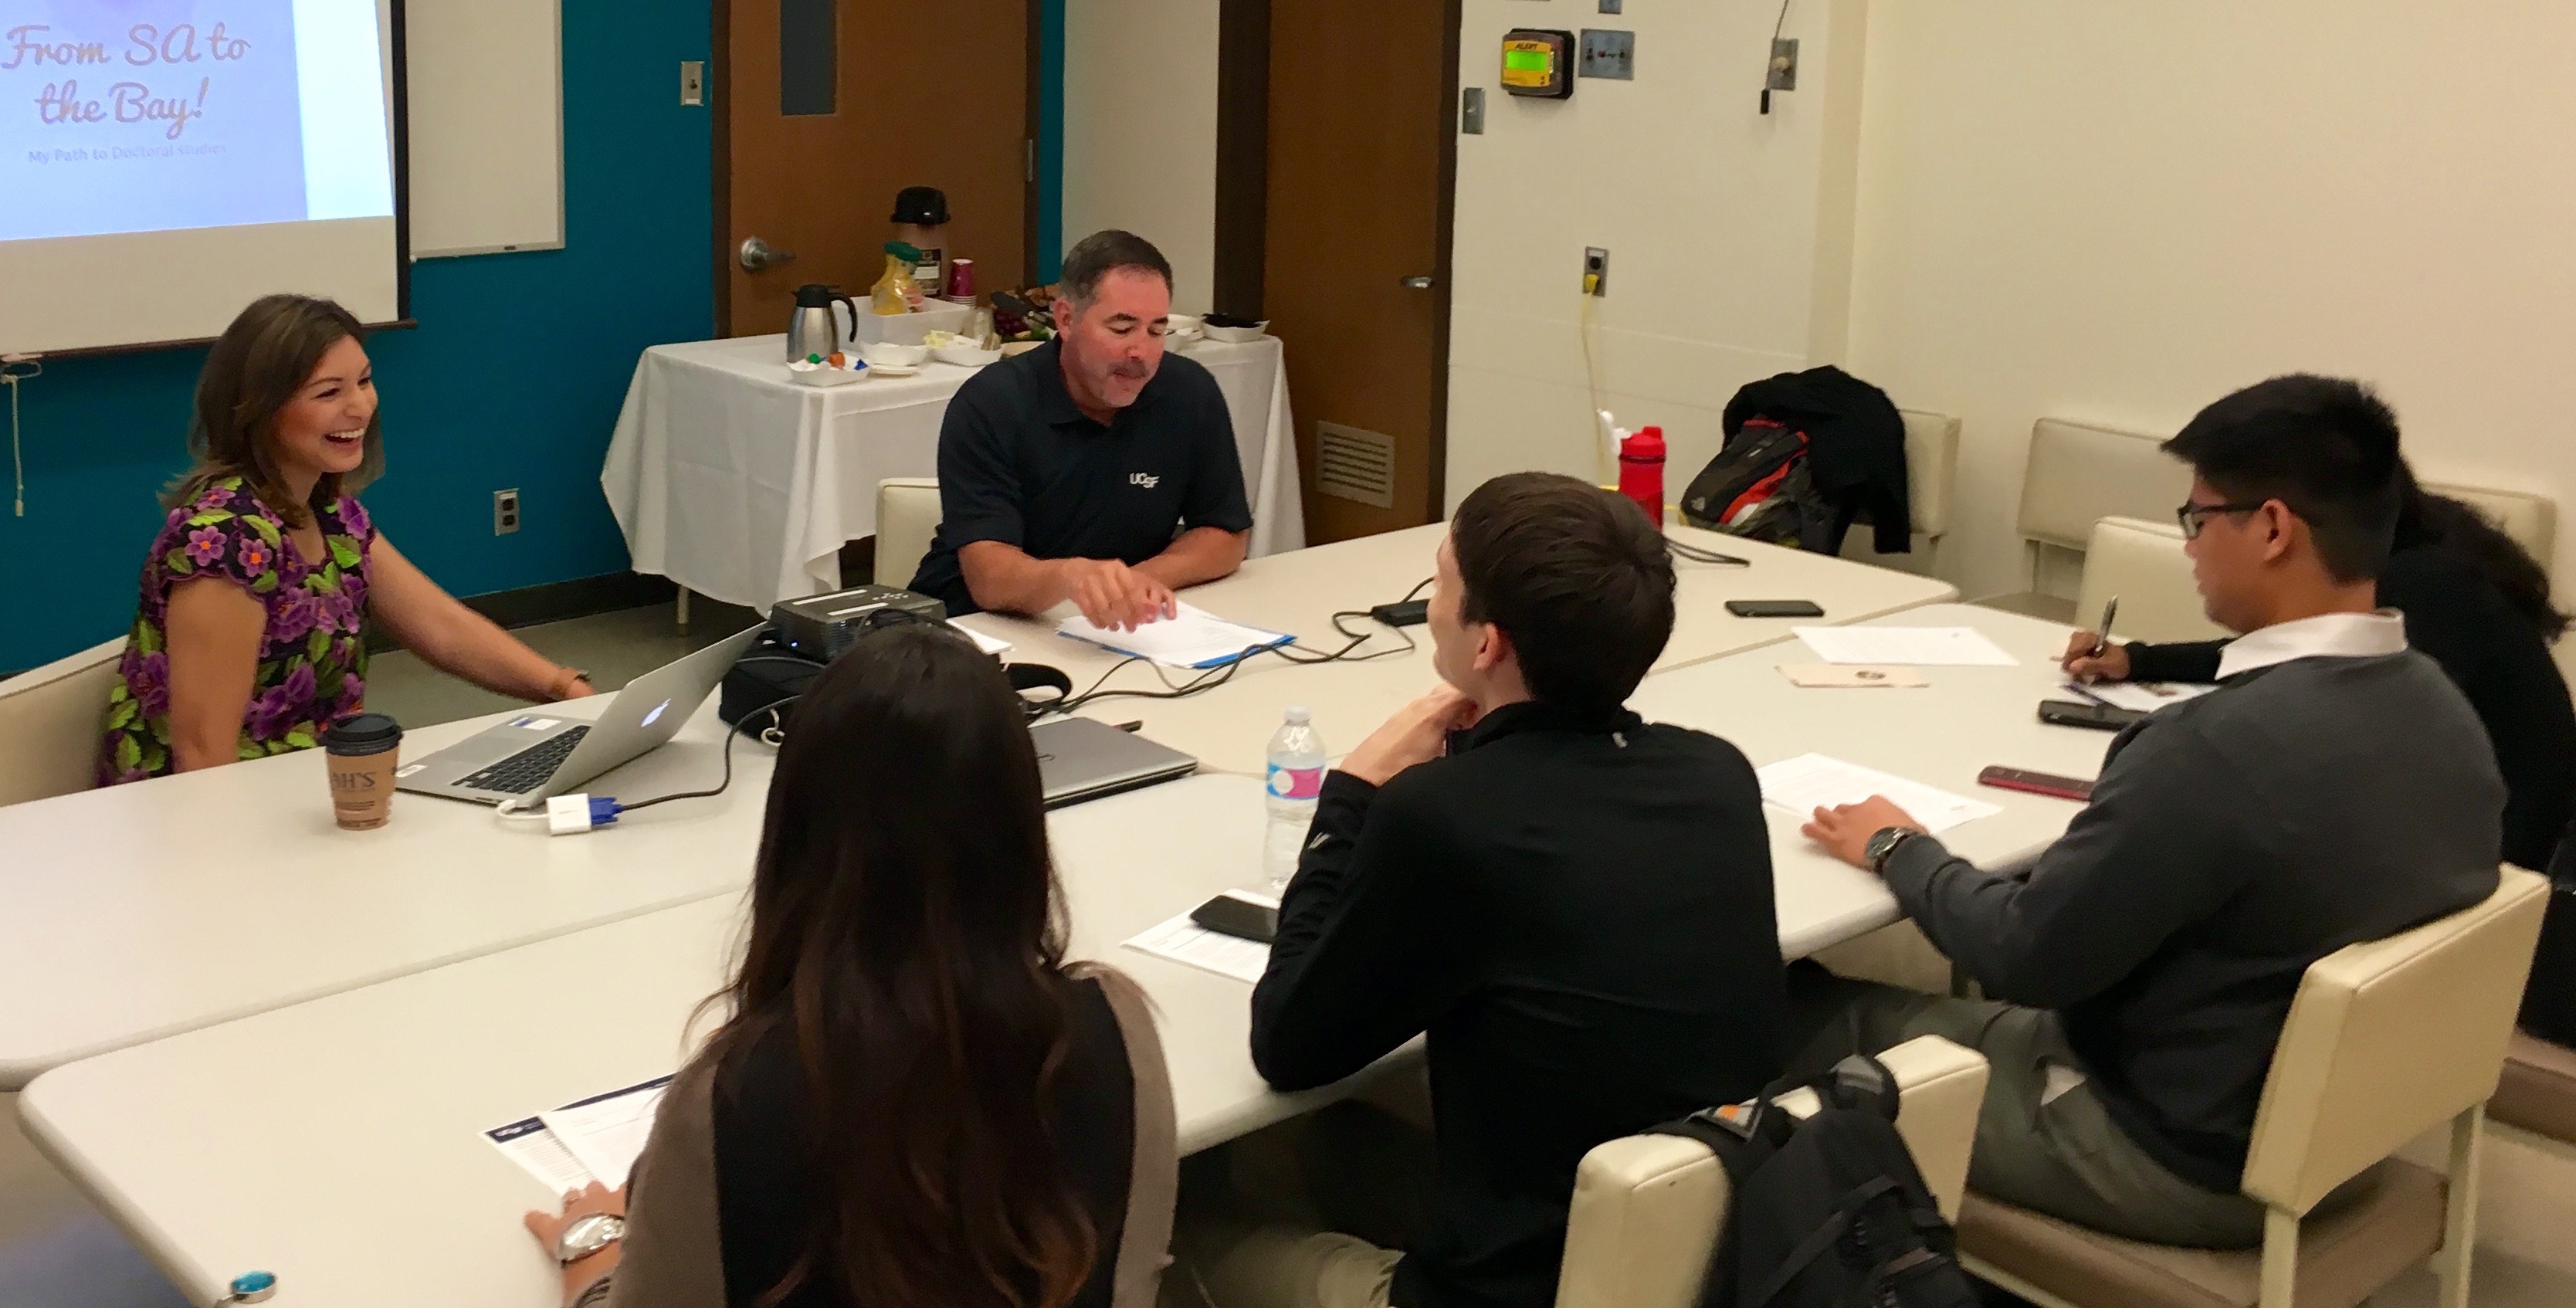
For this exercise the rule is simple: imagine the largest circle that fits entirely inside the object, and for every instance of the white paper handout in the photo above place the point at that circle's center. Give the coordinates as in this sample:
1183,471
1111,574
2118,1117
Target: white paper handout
595,1139
1192,638
2139,696
1184,941
988,644
1808,782
606,1132
1915,646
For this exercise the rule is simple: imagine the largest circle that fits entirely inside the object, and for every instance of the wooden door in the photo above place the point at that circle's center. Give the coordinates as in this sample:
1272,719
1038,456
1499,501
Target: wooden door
829,107
1355,277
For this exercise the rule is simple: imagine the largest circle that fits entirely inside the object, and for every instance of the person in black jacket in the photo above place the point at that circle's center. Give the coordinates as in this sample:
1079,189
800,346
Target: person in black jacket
2479,605
2334,788
1573,904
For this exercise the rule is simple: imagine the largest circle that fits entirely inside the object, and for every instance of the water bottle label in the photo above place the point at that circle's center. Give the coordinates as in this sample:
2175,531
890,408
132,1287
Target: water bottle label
1295,783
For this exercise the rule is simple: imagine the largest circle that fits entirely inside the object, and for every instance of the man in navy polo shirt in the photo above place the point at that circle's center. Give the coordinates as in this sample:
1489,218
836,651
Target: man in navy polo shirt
1092,469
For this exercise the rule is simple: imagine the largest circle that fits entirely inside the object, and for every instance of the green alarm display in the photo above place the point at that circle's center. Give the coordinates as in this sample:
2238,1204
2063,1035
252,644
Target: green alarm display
1538,63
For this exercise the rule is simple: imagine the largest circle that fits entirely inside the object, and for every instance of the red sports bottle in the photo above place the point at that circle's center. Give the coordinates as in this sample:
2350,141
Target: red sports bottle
1641,471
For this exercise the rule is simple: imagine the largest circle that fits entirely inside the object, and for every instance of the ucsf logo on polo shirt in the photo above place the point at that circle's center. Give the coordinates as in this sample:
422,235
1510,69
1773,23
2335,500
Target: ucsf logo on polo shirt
1144,479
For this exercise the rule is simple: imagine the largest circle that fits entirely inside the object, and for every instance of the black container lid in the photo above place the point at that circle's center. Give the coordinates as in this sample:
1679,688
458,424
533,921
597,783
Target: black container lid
364,733
920,206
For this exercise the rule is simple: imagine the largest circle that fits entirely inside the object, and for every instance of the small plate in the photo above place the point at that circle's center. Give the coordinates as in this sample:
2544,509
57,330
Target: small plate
893,370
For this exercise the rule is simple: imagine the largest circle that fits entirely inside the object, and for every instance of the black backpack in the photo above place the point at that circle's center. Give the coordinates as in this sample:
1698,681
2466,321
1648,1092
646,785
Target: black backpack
1830,1212
1761,487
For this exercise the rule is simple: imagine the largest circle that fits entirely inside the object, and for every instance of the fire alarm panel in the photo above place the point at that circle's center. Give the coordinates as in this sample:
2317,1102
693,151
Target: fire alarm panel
1538,63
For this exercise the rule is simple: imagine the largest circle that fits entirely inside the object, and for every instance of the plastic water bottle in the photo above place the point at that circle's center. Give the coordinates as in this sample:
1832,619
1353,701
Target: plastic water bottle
1296,778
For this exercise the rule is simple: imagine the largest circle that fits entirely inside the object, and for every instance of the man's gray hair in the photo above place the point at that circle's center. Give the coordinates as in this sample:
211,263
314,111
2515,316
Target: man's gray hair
1102,253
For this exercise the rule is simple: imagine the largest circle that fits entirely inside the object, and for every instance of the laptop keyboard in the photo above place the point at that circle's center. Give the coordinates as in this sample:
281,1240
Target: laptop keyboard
527,769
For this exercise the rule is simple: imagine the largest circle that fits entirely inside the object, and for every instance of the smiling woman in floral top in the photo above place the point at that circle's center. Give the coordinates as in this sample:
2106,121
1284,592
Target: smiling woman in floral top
248,640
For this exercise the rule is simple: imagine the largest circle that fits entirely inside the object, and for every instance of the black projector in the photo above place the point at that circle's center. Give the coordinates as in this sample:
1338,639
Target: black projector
821,626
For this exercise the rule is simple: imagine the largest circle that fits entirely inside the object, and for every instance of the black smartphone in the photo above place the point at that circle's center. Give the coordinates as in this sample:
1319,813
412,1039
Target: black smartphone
2037,783
2099,717
1774,609
1234,914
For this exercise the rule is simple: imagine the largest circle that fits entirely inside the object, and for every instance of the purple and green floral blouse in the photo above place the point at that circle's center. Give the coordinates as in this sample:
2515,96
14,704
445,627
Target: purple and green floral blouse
312,660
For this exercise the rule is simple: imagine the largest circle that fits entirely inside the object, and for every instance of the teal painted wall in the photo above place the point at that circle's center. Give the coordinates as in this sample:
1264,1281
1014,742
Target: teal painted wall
1050,139
513,378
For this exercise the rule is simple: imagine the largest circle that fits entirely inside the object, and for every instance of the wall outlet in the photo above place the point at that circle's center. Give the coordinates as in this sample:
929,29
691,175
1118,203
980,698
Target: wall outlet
1610,54
505,511
1596,269
693,82
1783,75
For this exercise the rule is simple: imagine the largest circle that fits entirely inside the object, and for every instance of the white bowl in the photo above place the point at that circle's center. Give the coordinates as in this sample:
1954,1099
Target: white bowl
1184,323
1239,335
965,356
810,374
882,354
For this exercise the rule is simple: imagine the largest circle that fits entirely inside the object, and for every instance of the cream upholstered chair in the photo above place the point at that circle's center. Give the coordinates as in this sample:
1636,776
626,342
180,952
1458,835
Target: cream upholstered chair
2143,564
907,517
2386,1039
2075,475
1931,471
1644,1222
50,719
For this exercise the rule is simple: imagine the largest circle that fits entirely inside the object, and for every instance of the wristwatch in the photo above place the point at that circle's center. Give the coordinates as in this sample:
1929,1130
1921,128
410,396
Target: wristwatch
1883,844
586,1235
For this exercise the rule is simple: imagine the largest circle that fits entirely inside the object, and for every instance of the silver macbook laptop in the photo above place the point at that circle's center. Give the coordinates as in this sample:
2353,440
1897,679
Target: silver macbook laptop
1080,759
538,755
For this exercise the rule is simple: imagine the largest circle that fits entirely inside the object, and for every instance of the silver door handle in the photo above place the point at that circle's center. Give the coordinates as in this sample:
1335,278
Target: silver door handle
1419,283
756,255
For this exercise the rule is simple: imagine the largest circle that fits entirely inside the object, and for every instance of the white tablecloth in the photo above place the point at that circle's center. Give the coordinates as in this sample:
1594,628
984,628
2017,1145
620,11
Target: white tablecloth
743,486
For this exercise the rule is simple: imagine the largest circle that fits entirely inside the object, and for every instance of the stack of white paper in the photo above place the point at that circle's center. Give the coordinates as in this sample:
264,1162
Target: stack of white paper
595,1139
1192,638
1184,941
1812,781
1919,646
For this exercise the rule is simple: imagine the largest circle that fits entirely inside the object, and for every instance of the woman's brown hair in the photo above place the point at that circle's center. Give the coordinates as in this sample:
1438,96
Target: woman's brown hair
907,935
255,367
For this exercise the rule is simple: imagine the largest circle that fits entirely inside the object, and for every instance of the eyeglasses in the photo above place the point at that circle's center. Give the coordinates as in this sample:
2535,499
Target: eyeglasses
2194,516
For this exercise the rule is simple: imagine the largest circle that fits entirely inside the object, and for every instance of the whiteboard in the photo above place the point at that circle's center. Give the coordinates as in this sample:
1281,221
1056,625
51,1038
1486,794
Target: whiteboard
485,90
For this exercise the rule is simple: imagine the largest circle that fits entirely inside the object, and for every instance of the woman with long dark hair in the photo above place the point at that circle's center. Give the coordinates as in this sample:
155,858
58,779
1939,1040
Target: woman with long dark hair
2479,606
914,1102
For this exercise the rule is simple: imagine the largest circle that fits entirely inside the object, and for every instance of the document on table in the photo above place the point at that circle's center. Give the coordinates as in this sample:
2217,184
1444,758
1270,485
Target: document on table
1916,646
1184,941
594,1139
2138,696
988,644
1812,781
1193,638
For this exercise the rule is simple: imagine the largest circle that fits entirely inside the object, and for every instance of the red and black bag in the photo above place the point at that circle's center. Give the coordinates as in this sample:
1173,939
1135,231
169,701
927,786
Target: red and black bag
1762,487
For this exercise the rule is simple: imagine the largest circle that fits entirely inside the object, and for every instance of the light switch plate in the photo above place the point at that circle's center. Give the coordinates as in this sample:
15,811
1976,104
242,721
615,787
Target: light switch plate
1471,111
693,82
1610,54
1611,6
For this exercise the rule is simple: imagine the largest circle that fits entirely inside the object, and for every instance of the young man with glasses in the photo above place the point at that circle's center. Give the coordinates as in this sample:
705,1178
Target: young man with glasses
2335,788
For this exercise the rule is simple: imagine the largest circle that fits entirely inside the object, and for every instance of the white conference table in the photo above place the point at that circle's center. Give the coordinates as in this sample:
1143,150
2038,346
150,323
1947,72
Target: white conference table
143,910
1942,735
147,910
741,485
1229,729
233,1147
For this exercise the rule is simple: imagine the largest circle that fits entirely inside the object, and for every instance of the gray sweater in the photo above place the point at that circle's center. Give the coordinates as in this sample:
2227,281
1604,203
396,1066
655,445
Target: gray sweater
2232,841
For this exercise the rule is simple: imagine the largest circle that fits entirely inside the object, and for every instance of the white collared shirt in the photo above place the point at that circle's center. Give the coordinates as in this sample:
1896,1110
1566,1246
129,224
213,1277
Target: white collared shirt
2327,635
